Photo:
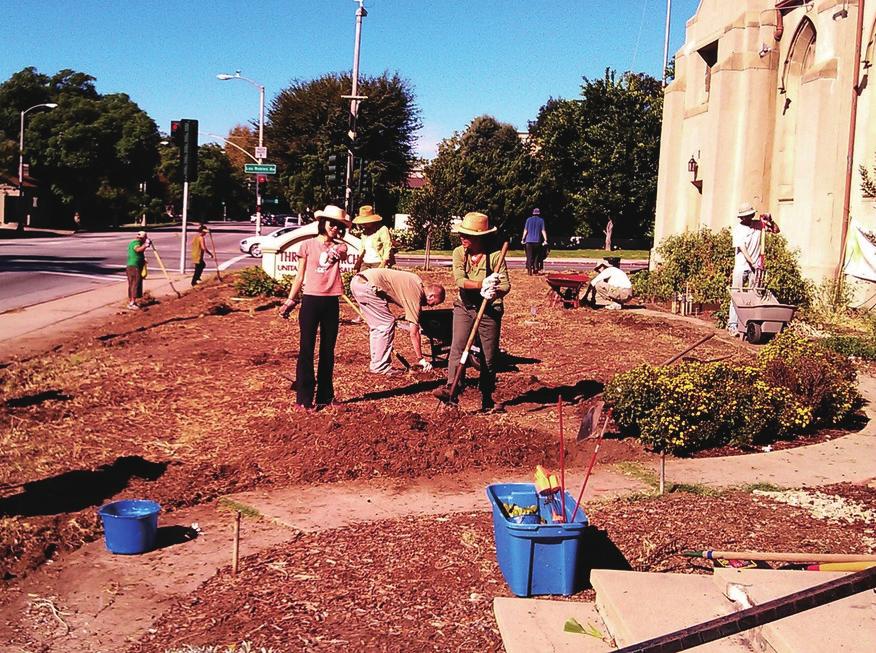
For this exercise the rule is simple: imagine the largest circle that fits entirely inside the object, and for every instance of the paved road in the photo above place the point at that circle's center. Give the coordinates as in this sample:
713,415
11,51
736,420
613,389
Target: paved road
35,270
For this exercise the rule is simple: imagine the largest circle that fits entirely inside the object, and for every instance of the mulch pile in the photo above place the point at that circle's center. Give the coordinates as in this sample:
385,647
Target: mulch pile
428,583
191,399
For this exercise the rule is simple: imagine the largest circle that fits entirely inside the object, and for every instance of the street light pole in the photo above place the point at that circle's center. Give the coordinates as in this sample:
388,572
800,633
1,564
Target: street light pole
261,88
354,108
48,105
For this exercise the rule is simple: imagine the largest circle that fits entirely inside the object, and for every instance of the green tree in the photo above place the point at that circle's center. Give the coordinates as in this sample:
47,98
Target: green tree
220,187
601,152
91,153
309,120
486,168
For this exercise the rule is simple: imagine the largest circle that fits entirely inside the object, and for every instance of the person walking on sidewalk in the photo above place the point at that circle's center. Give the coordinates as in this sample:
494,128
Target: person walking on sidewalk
319,274
376,243
135,266
535,241
374,289
477,276
199,248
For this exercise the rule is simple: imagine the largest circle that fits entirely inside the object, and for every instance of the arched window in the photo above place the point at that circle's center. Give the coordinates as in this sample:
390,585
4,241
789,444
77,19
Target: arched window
801,56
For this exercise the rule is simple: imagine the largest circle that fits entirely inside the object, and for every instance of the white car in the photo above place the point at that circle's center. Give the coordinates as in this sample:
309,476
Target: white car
253,244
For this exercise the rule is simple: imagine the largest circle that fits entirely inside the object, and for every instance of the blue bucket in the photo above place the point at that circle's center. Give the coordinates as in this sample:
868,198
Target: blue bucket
130,526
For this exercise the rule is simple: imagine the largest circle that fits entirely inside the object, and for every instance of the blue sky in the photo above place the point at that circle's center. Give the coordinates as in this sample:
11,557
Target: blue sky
464,57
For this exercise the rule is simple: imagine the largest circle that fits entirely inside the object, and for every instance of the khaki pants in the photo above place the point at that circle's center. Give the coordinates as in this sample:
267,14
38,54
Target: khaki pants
488,332
381,323
611,293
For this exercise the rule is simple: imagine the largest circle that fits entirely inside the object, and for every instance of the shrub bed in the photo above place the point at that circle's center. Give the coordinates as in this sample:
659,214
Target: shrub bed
796,385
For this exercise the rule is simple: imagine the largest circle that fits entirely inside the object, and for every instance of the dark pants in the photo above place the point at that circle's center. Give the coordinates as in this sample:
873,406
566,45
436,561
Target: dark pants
533,257
317,313
199,268
135,282
488,331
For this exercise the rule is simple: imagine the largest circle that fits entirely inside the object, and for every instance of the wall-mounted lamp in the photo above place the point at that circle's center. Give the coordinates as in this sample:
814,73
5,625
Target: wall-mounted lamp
693,168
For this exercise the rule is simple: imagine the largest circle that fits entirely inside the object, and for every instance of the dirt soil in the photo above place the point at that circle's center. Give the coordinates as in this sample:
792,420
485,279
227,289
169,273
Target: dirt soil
428,584
191,399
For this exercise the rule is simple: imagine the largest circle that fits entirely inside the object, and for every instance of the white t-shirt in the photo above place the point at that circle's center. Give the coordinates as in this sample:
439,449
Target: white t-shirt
613,277
746,239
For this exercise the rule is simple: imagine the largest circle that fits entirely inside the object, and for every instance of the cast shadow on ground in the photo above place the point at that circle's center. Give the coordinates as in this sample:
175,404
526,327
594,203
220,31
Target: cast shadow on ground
78,489
547,396
414,388
37,398
509,362
598,552
110,336
168,536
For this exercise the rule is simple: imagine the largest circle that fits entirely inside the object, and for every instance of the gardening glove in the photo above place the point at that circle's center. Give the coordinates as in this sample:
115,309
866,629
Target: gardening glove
491,281
426,365
488,292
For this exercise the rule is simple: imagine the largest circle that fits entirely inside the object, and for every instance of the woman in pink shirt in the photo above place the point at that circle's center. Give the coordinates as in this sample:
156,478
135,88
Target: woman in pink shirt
319,271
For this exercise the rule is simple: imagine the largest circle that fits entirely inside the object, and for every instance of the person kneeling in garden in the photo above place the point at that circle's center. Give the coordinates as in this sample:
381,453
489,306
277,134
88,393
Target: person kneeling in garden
611,285
478,277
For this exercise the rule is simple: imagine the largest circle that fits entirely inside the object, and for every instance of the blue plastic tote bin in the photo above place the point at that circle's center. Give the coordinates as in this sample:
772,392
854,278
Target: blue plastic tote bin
130,526
537,558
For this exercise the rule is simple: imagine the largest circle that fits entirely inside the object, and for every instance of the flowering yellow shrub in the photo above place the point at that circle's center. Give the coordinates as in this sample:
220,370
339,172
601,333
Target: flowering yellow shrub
693,406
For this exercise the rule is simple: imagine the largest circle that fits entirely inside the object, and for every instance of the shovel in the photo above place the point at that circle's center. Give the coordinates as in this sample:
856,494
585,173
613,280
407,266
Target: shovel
164,269
215,255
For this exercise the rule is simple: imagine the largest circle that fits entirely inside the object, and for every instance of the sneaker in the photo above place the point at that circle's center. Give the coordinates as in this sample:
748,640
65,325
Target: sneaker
132,306
394,373
614,306
301,408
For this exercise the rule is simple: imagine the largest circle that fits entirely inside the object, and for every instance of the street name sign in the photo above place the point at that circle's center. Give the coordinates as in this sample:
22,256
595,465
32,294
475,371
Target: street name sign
260,168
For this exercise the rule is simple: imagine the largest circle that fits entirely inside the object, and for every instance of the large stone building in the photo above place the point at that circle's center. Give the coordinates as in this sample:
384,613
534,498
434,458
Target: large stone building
761,111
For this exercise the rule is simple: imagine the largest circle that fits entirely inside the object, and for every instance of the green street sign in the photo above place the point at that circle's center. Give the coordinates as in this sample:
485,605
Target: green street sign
260,168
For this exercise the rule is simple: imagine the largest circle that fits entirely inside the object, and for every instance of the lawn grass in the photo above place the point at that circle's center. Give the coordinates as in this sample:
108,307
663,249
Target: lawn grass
554,253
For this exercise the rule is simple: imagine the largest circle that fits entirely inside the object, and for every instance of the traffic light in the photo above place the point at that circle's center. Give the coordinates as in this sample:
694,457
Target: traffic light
184,134
189,150
262,179
337,170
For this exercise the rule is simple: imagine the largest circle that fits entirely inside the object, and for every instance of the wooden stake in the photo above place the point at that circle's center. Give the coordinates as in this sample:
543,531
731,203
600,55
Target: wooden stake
235,545
662,472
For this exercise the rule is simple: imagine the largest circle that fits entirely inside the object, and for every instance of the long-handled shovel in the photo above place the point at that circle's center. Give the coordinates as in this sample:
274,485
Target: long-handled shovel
355,308
164,269
460,368
215,255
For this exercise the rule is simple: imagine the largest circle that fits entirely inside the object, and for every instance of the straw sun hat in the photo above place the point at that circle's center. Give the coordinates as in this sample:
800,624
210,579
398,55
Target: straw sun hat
332,212
745,210
366,215
474,224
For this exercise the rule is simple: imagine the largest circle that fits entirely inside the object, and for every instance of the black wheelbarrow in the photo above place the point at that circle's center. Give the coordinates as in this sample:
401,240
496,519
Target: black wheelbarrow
437,325
760,314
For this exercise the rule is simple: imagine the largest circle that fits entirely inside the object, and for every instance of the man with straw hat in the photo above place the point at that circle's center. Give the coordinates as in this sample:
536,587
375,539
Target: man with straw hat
477,276
376,244
611,285
748,260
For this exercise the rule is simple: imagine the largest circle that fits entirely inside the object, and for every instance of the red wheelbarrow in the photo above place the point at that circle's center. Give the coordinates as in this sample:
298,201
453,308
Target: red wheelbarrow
567,288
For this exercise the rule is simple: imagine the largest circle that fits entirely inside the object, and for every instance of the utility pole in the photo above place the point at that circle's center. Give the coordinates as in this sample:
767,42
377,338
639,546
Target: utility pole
355,98
666,41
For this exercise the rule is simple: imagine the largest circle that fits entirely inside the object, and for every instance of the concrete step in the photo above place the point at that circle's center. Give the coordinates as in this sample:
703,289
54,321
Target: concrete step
536,626
847,625
636,606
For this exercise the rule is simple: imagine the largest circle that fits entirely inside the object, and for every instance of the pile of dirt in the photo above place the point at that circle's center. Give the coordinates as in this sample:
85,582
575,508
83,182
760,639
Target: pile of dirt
428,583
202,387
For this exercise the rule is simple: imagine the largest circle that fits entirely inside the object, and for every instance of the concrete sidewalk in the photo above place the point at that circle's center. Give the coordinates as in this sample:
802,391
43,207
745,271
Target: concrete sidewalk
38,328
